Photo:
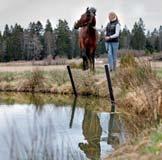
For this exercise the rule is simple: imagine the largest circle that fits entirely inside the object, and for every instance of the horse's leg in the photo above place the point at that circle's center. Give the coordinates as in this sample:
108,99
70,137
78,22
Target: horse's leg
90,62
87,58
93,63
84,65
86,62
84,57
94,54
91,59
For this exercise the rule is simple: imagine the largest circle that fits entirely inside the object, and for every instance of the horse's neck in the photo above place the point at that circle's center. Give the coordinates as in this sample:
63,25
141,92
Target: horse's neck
94,21
88,29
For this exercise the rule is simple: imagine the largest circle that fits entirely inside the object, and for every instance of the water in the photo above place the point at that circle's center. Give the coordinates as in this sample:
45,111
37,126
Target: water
35,128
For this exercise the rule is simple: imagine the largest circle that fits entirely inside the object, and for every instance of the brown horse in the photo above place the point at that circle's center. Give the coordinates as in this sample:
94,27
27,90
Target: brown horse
87,38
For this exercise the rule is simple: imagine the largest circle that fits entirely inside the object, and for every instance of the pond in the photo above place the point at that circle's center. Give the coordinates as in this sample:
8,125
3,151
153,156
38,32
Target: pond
38,127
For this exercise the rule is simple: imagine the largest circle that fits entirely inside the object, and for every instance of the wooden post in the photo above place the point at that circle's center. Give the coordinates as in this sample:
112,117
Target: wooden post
71,79
110,88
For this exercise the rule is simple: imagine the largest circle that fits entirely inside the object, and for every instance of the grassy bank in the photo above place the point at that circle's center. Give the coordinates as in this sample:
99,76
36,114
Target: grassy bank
141,98
137,87
148,146
40,99
138,94
56,81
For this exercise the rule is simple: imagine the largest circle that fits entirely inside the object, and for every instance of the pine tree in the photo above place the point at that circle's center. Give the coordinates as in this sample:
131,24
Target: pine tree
40,33
138,39
1,47
125,38
6,32
39,28
7,43
149,46
49,40
160,38
63,39
32,28
75,43
155,40
17,42
48,26
32,46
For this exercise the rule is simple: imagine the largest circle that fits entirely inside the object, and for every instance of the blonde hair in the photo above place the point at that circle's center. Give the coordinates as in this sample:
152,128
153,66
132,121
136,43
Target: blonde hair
113,16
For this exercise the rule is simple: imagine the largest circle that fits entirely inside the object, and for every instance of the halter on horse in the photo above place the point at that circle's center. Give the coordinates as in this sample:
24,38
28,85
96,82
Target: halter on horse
87,38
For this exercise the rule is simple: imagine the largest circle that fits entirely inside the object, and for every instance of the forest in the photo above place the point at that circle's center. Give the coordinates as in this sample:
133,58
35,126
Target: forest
37,42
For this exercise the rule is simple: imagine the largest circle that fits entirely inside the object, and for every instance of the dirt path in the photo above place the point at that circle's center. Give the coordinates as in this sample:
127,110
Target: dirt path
27,66
30,68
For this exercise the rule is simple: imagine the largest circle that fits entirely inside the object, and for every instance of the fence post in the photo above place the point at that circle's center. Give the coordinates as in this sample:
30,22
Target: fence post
110,88
71,79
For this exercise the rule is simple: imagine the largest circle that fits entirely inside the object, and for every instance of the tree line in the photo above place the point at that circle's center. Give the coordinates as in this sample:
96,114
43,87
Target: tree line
140,40
38,42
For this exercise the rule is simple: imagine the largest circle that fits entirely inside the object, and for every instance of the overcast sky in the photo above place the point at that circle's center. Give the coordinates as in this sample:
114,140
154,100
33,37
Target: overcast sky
129,11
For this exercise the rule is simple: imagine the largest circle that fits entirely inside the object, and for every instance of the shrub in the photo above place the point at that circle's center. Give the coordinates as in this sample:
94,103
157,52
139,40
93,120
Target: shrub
133,72
58,77
76,65
127,60
35,80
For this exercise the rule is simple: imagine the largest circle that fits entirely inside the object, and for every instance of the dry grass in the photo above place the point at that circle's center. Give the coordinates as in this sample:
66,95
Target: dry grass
146,147
141,100
140,86
35,81
55,81
139,92
134,72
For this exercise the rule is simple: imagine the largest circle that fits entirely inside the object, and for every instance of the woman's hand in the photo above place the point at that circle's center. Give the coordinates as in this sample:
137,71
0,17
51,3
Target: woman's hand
107,38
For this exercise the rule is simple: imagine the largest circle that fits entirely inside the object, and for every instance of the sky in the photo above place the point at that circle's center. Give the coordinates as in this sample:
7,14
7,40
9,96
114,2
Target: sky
25,11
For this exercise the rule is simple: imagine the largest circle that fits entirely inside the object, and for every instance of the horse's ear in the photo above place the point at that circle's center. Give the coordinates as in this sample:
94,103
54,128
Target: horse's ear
87,9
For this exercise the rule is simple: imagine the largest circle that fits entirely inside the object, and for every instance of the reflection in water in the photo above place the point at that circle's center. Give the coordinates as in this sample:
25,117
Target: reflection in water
116,135
92,133
37,101
62,132
73,111
103,132
112,139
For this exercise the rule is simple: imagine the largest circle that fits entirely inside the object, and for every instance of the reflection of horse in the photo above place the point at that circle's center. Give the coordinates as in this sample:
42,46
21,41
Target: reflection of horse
87,38
92,132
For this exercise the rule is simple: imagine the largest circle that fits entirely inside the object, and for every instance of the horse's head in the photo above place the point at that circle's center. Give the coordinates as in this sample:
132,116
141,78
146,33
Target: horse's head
85,19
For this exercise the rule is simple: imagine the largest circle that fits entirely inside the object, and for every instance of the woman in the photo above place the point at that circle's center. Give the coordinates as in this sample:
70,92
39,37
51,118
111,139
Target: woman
112,39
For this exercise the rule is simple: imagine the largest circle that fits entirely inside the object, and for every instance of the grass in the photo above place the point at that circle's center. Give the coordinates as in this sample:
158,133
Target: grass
134,83
138,96
91,103
146,147
8,76
155,143
53,81
134,72
159,73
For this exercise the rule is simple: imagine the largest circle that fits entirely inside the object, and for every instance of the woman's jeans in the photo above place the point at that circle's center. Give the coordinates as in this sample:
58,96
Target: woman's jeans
112,48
